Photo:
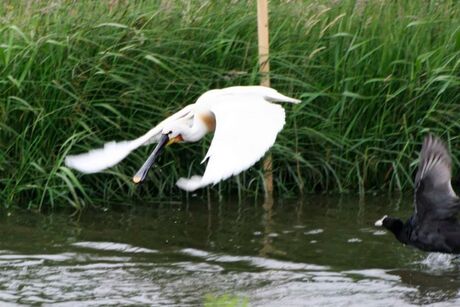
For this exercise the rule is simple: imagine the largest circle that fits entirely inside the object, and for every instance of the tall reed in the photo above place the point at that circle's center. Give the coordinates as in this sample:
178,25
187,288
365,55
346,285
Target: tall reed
374,77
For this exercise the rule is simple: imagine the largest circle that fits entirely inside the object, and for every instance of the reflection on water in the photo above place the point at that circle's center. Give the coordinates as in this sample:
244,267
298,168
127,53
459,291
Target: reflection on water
321,251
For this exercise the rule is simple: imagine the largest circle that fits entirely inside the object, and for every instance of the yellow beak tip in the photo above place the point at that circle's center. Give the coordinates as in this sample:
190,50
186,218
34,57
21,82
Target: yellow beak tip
136,179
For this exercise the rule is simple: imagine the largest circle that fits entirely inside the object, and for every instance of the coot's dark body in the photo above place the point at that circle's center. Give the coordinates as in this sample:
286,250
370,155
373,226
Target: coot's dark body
433,227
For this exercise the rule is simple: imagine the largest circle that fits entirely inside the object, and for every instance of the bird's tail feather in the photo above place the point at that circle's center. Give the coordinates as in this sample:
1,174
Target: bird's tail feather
277,97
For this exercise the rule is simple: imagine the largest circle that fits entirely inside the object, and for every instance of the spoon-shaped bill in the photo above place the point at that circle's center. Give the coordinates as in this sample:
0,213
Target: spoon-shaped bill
142,172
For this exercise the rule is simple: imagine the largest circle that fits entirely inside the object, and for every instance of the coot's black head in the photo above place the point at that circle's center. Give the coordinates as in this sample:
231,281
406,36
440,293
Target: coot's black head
392,224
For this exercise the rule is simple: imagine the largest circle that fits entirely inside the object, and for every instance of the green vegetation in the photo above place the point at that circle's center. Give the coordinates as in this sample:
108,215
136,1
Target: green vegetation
225,301
374,77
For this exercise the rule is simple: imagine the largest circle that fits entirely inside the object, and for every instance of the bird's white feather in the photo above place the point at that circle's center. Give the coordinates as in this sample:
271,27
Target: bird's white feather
246,127
99,159
267,93
112,153
247,123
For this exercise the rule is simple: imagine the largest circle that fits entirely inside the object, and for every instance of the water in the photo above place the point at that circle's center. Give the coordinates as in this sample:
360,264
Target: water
322,251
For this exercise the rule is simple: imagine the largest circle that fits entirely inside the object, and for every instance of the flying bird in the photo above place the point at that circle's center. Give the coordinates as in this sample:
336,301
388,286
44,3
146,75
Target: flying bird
433,226
245,121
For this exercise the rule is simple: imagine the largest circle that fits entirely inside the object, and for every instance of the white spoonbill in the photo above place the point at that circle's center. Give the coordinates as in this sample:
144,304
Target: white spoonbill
244,120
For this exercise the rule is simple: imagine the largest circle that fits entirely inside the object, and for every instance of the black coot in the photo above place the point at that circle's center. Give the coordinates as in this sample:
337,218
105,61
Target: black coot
433,226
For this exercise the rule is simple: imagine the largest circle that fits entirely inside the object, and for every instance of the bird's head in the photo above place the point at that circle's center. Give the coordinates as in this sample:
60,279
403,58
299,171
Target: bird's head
187,129
394,225
175,131
177,138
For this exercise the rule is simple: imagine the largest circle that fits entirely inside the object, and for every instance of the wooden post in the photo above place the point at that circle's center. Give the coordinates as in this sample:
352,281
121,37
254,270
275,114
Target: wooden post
264,69
262,30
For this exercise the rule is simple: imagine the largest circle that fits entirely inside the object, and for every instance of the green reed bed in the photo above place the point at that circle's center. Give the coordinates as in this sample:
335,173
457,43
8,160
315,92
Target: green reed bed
374,77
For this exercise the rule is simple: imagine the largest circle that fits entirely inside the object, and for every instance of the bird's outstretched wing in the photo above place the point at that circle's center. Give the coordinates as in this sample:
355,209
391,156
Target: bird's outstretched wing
236,92
112,153
434,196
246,127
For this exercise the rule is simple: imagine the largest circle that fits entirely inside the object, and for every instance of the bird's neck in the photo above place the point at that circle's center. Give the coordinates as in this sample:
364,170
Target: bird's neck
209,120
403,234
203,122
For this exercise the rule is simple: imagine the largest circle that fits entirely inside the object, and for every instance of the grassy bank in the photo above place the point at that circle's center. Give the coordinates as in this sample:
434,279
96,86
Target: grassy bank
374,78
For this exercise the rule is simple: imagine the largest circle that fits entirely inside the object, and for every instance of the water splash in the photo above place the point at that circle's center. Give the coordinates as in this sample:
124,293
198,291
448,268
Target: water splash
111,246
314,231
440,261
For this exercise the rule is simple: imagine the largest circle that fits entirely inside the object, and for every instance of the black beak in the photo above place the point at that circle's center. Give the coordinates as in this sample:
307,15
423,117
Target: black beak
142,172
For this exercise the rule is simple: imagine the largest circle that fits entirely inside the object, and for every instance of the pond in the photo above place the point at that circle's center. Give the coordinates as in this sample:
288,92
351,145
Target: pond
319,251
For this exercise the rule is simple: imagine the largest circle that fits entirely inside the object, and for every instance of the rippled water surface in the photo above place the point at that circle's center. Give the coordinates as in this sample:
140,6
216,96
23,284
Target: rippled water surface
322,251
